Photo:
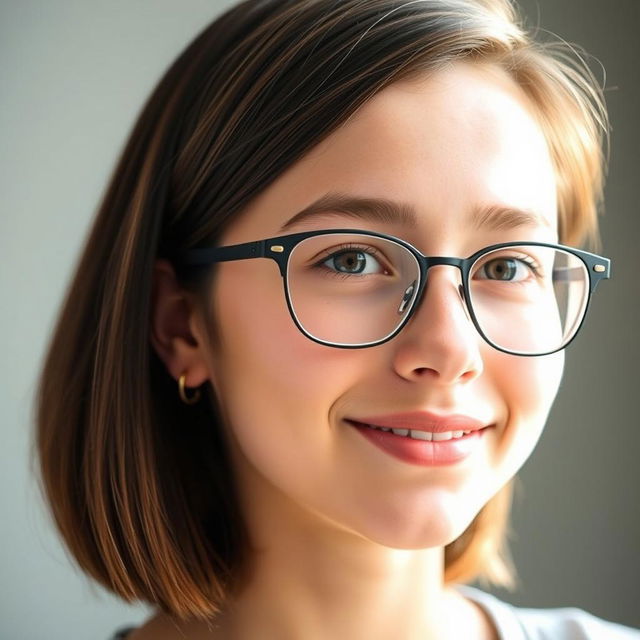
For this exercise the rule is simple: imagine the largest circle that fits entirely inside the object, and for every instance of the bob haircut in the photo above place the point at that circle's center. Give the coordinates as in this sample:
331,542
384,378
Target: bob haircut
139,484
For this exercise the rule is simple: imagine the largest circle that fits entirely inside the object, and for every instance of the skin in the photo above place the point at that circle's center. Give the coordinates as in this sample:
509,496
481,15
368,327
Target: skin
349,539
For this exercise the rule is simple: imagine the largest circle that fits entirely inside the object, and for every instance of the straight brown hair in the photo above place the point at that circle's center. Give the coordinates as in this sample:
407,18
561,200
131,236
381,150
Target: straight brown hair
140,484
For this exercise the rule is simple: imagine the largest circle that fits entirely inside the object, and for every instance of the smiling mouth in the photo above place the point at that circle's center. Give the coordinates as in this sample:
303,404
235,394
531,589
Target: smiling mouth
428,445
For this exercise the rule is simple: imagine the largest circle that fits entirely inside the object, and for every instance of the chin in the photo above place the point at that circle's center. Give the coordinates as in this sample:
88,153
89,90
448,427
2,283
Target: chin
435,523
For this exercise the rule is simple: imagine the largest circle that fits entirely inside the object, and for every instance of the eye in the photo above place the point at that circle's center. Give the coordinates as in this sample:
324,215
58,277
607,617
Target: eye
507,269
355,261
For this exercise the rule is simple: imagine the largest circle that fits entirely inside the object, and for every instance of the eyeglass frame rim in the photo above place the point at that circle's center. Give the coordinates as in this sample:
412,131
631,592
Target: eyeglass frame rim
279,249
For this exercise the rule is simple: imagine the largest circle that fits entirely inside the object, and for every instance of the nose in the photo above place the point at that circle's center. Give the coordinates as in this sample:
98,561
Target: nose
439,342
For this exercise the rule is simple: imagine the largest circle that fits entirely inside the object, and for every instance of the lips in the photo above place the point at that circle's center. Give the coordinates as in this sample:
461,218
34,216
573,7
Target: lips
423,438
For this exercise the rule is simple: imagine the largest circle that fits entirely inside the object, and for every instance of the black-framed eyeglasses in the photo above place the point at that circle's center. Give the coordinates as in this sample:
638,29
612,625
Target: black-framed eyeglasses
350,288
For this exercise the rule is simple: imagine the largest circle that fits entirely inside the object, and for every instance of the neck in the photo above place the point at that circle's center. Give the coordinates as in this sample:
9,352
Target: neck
320,591
311,579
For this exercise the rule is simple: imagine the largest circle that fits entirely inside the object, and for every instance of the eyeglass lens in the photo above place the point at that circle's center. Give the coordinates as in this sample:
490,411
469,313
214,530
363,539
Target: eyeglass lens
350,289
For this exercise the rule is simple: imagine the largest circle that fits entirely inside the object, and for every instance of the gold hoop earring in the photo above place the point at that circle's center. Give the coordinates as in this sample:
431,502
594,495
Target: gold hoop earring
182,391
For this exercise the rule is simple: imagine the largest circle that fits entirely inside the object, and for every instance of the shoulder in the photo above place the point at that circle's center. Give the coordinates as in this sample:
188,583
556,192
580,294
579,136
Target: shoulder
155,628
163,627
123,634
572,623
547,624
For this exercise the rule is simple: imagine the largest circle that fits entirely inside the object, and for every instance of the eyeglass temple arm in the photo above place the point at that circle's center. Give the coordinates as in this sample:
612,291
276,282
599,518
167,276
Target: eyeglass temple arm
258,249
209,255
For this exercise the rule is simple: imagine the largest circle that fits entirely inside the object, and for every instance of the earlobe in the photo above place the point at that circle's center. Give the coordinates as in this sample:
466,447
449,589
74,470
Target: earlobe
172,319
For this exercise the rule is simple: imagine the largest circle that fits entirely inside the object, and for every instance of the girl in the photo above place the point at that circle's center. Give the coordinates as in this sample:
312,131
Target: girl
319,324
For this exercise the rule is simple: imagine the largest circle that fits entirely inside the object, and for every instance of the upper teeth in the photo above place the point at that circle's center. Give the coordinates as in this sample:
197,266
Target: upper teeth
424,435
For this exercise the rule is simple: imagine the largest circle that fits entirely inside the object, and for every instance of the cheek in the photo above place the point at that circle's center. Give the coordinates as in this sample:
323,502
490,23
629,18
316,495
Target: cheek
263,354
274,386
528,387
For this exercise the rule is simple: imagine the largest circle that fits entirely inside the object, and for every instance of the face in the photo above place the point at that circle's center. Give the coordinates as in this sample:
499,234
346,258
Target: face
453,146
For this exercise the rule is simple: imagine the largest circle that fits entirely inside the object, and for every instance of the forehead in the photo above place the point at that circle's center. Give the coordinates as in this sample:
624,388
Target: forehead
447,144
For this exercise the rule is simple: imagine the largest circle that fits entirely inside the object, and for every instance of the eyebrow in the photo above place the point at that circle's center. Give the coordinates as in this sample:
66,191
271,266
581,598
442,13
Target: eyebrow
371,209
496,218
499,218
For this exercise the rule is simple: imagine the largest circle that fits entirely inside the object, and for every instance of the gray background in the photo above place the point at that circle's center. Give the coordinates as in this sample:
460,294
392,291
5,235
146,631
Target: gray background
73,75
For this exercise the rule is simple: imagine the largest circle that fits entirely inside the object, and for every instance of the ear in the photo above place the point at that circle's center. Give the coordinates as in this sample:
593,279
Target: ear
176,334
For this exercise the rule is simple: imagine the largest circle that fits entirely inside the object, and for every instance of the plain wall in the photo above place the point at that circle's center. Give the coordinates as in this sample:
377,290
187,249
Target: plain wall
73,75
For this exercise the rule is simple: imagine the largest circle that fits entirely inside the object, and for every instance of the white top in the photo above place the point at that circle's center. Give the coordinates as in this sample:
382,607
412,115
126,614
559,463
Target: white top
514,623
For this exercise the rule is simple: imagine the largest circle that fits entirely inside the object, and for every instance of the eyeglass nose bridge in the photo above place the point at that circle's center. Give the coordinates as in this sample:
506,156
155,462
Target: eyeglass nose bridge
425,264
